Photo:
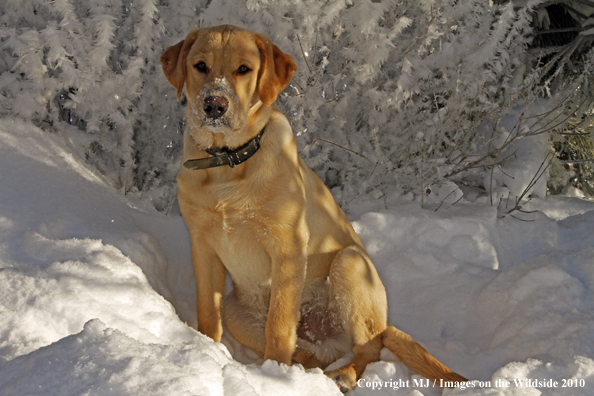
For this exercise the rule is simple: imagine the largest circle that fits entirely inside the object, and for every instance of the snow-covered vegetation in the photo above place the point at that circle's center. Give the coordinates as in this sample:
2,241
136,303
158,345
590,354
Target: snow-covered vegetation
427,97
439,126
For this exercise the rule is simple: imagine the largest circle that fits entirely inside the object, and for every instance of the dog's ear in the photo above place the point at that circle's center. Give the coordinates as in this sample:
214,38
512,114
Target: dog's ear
276,69
173,61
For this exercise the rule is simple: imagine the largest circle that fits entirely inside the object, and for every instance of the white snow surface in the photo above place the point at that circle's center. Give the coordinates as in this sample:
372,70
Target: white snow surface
97,292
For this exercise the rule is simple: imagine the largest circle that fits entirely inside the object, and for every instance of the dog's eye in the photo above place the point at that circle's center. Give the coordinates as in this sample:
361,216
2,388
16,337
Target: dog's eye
243,69
201,67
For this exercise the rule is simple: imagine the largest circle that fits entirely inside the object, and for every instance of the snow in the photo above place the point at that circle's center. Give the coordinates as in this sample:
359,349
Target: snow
97,293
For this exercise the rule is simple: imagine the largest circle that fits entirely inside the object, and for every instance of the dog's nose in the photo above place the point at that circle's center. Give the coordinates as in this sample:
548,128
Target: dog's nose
215,106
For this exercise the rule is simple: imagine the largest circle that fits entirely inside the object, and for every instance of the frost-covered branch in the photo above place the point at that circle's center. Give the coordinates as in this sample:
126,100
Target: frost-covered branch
428,95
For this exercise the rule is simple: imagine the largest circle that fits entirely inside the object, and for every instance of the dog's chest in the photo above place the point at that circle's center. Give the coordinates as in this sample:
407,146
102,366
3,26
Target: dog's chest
239,243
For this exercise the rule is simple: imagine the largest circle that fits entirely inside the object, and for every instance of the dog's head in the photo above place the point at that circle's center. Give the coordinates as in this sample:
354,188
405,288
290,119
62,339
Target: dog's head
228,73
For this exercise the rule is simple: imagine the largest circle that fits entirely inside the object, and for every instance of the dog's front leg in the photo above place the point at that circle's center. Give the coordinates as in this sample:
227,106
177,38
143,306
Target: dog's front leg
288,277
210,283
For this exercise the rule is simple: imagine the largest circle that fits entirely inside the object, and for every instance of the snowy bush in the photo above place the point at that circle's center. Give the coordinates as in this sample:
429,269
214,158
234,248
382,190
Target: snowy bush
429,96
94,66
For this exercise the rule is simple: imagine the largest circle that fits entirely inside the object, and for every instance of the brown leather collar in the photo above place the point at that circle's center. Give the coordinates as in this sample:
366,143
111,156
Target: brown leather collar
226,156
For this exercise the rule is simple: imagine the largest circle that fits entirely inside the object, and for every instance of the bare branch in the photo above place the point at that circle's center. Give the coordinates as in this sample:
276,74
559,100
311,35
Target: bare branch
342,147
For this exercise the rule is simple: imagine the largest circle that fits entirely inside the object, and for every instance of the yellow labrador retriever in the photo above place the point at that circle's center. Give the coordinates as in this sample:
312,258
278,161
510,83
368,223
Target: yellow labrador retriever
304,288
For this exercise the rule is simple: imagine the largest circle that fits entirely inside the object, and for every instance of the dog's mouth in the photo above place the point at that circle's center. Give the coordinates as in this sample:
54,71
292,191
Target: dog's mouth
216,119
223,125
219,125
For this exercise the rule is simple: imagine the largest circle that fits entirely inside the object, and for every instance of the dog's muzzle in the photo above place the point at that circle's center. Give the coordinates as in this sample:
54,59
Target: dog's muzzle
215,106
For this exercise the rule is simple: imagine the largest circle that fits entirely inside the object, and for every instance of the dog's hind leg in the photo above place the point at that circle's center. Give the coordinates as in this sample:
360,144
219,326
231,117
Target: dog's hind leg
346,376
247,326
360,299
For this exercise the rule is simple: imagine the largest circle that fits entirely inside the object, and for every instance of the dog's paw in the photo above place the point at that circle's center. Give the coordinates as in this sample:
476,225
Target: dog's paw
345,378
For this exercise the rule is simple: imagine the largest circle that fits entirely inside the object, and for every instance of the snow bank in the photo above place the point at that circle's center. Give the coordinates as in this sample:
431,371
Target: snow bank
104,361
96,290
83,281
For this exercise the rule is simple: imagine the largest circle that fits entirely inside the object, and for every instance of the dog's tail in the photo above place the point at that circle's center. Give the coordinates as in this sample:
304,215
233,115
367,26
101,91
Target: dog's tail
417,358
